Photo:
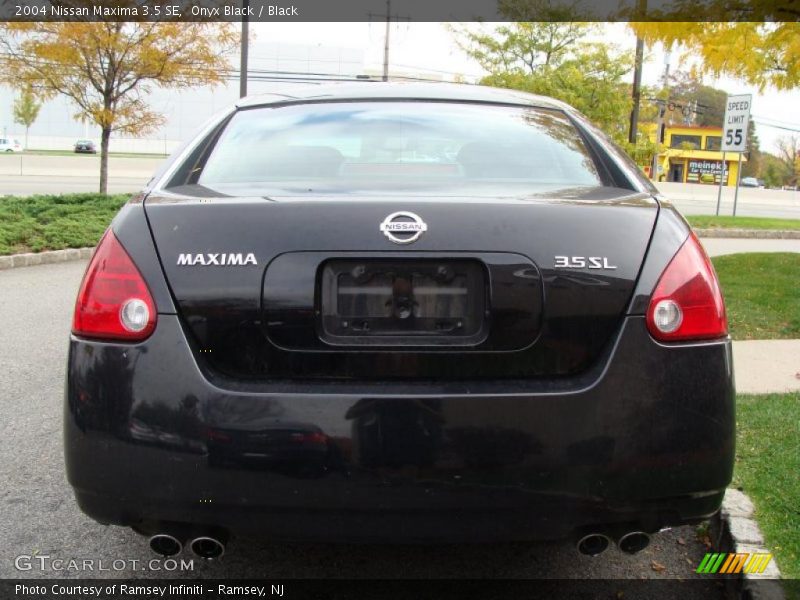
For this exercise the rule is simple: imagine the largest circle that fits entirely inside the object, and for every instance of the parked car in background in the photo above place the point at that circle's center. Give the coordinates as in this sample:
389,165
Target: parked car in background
750,182
85,147
10,145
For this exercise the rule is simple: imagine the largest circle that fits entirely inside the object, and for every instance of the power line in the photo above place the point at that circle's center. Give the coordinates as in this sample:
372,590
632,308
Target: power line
796,129
776,121
306,77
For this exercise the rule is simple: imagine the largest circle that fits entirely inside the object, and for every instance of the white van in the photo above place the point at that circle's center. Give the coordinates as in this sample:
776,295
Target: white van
10,145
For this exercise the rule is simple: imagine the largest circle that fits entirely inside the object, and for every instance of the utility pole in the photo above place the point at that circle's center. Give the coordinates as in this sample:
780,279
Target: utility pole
386,40
244,50
637,80
637,90
662,109
388,17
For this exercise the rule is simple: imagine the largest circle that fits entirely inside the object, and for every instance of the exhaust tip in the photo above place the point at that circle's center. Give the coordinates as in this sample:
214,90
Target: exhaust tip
634,542
593,544
207,548
164,544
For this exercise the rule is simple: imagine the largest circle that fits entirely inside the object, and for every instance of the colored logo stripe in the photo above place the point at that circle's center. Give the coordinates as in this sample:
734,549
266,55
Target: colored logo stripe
731,563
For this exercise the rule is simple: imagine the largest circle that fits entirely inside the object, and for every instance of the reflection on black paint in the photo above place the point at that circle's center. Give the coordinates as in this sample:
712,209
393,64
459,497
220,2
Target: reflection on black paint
300,450
493,447
396,433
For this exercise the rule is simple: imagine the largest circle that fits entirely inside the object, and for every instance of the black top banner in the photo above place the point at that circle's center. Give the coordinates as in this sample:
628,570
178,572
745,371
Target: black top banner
406,10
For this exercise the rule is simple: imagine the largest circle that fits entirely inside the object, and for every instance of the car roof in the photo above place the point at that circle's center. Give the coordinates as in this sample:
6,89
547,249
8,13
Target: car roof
379,90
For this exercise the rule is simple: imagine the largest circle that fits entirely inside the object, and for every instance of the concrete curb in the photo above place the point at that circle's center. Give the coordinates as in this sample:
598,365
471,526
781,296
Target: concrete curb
734,529
761,234
29,259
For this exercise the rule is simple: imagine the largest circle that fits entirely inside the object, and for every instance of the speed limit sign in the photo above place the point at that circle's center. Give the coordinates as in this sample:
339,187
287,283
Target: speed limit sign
737,118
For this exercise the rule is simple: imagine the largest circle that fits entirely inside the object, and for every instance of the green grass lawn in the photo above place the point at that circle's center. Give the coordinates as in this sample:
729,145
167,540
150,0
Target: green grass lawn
36,223
711,222
768,470
762,294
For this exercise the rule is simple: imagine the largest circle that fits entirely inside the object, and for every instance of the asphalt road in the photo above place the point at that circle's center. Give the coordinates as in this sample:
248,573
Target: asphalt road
37,174
39,515
700,199
77,165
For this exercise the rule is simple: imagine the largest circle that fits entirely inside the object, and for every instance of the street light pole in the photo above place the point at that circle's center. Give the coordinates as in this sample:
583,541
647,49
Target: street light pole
244,50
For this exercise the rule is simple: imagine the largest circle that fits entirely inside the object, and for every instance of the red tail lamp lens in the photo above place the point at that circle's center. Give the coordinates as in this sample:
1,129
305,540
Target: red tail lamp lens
114,301
687,303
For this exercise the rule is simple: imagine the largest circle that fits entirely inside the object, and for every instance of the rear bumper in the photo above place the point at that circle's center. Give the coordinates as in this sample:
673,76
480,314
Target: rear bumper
645,441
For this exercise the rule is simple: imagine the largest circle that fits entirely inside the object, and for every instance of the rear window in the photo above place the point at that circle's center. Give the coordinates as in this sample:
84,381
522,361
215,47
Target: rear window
397,145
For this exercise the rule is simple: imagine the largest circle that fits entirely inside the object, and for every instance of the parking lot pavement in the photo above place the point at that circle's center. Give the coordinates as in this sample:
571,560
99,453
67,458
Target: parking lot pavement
767,366
39,515
27,185
720,246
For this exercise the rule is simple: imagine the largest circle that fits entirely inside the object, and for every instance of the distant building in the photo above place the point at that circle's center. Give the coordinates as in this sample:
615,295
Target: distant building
692,155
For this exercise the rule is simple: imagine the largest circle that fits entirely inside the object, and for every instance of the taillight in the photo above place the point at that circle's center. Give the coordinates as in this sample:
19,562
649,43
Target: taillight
687,302
114,301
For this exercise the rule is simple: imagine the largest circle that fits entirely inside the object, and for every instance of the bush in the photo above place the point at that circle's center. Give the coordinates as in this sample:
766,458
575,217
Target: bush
54,222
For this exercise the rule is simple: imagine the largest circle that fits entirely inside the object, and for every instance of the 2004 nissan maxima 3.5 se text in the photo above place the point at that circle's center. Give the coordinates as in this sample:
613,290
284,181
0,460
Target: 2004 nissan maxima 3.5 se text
399,312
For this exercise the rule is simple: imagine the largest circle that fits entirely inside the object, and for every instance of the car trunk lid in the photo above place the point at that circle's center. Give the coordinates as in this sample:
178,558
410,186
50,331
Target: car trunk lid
533,286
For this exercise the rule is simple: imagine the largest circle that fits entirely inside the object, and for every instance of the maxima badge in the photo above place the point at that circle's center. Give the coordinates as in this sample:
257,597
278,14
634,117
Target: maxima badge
403,227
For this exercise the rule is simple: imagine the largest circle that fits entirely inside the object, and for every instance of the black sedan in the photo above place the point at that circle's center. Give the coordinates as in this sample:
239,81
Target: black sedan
399,313
85,147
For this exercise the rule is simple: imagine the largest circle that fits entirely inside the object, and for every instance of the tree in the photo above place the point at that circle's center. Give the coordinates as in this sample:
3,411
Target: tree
762,51
522,47
789,154
26,110
688,90
553,59
107,69
752,168
774,171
